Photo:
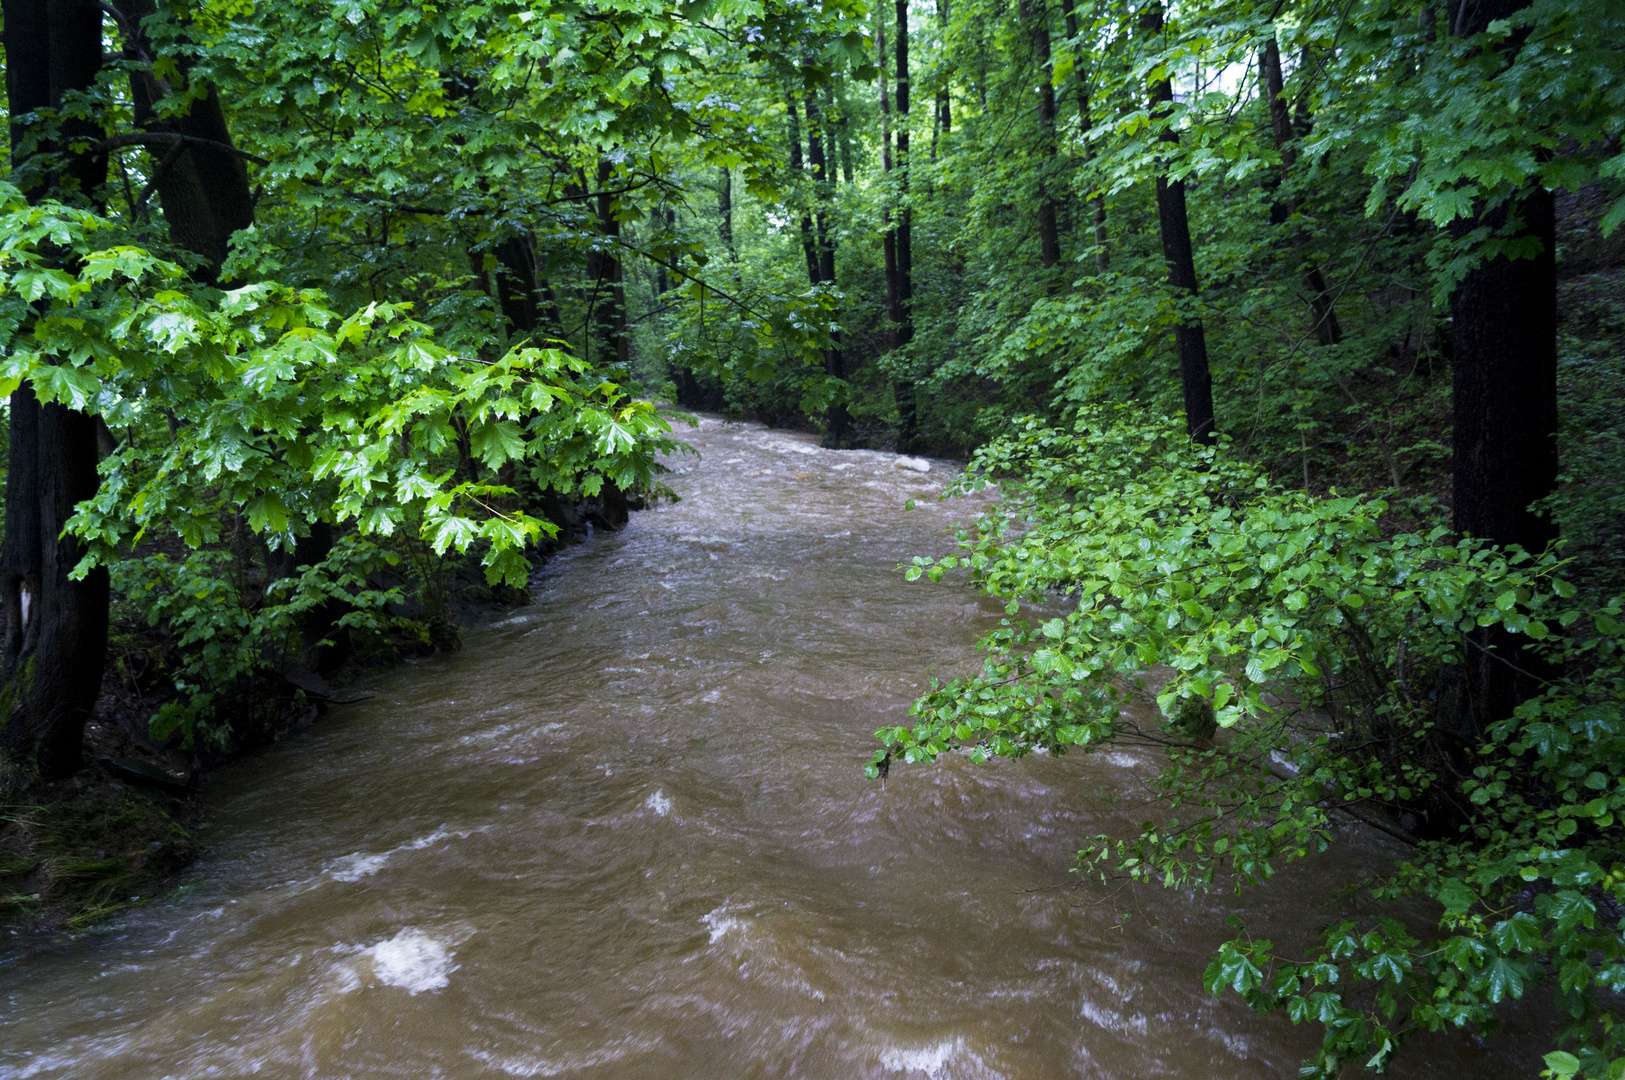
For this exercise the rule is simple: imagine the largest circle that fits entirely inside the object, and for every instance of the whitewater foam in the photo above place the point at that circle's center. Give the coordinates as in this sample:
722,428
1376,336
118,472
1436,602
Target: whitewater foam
412,961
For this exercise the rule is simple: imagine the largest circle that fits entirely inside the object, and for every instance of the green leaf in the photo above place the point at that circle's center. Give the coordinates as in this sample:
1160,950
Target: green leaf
496,443
1562,1063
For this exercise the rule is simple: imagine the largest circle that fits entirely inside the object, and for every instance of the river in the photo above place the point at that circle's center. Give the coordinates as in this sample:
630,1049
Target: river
624,833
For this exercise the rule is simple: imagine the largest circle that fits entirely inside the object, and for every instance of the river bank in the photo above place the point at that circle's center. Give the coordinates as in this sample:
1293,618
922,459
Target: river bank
77,851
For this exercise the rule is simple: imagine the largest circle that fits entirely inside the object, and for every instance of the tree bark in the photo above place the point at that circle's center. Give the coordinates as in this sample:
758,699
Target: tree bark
904,395
1504,413
203,188
605,268
1196,381
840,138
945,116
518,284
837,420
1035,14
54,633
820,169
725,212
1328,331
809,246
1085,123
904,392
1504,379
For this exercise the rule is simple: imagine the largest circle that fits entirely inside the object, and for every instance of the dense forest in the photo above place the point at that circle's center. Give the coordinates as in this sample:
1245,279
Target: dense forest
1291,334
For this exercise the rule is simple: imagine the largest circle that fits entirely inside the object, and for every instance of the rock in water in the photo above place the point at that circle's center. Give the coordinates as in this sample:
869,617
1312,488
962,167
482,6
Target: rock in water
136,771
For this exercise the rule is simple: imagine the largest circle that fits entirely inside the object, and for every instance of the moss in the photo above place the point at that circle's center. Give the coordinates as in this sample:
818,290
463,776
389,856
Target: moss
77,852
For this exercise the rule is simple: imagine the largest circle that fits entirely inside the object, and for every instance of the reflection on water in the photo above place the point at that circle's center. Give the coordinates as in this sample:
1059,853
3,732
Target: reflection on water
625,833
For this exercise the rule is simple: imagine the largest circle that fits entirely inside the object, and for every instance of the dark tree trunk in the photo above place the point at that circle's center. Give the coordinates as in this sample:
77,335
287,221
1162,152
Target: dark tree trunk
905,216
54,628
843,133
1328,331
203,189
945,116
74,32
606,271
1035,14
903,390
1504,440
28,85
809,246
518,285
1177,251
1504,413
1080,82
898,320
668,227
524,294
887,164
725,210
837,420
552,317
820,171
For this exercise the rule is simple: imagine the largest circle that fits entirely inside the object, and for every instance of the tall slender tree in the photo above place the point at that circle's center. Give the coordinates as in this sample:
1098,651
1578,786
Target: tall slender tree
1196,381
1321,305
901,289
944,112
725,211
606,269
837,419
1034,15
1080,83
809,243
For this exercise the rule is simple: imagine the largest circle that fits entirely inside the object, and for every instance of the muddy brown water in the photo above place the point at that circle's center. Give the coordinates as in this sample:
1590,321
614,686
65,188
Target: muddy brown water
625,833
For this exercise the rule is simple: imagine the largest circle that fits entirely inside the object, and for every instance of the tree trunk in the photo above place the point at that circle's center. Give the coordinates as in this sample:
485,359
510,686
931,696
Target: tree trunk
552,317
844,134
1328,331
667,217
605,268
203,189
837,420
809,246
1504,414
725,211
28,84
518,287
54,628
945,116
820,170
898,321
1035,14
1085,123
905,215
903,390
1195,379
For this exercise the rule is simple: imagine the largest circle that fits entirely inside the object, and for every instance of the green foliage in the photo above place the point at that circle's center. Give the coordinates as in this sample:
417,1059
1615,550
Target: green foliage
1319,645
280,407
264,407
231,640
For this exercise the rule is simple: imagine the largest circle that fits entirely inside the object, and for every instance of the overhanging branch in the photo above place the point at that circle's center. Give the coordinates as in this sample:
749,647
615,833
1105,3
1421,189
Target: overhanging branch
174,139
